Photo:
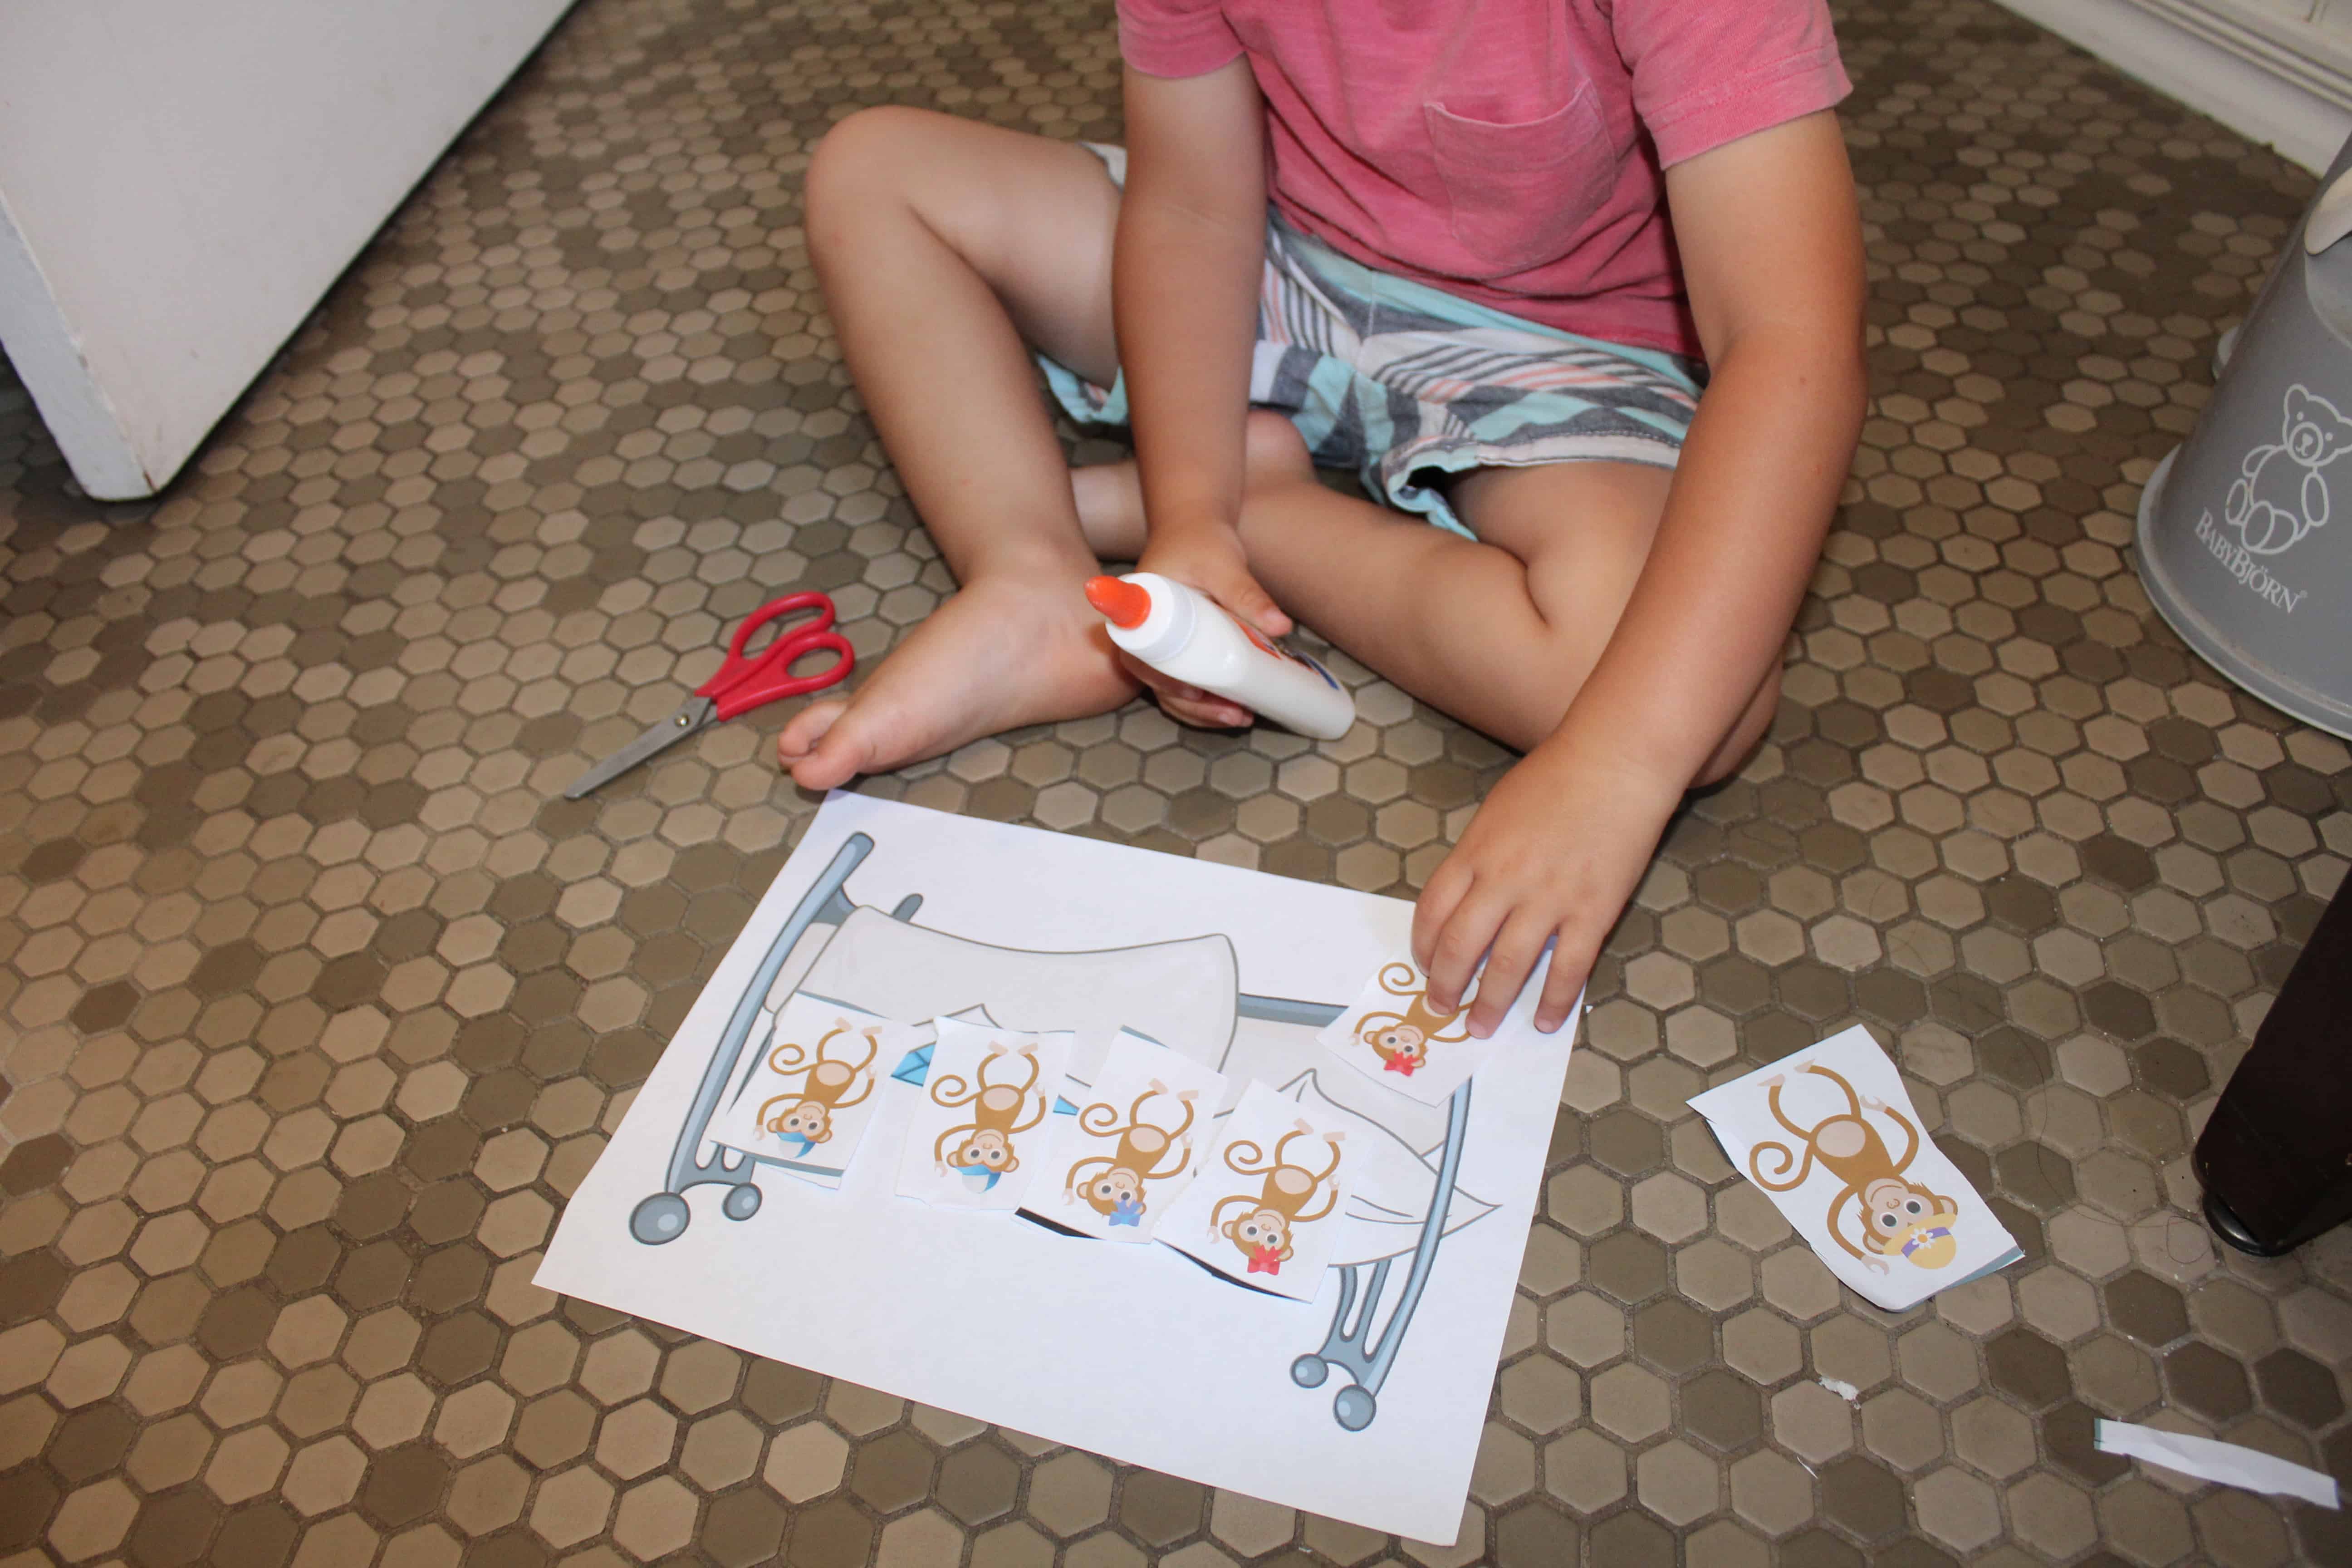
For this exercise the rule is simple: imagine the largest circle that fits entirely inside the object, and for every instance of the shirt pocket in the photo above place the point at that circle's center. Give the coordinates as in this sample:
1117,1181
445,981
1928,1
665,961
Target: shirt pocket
1520,192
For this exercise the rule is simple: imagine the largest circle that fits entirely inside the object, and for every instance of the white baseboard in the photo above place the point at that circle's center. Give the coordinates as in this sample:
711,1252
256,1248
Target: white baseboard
2272,82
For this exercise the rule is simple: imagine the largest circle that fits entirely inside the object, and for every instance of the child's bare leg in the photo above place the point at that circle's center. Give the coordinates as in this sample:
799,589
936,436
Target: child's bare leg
942,245
1499,633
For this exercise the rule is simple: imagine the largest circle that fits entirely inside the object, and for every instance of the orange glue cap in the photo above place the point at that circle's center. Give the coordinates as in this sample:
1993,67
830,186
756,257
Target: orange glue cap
1122,603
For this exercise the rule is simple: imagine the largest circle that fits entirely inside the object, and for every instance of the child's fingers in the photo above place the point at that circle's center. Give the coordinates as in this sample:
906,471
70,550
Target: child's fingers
1454,959
1516,947
1239,592
1215,714
1571,961
1439,896
1187,704
1258,608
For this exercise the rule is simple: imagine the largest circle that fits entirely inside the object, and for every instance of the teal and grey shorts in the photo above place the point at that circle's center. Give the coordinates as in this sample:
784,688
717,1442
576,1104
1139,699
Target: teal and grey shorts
1406,384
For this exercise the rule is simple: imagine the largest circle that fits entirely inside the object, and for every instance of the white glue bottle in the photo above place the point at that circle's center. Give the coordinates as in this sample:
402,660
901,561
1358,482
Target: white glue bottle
1184,635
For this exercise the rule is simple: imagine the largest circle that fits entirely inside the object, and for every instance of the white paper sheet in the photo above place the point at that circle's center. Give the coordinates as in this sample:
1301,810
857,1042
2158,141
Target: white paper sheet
1390,1036
1266,1208
1132,1148
1833,1140
2207,1459
1133,1351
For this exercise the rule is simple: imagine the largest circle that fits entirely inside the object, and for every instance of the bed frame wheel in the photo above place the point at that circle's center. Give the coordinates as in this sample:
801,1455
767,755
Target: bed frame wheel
741,1202
1354,1407
1309,1370
659,1218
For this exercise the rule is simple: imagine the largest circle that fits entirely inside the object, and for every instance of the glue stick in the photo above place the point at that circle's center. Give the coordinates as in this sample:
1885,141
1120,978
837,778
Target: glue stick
1184,635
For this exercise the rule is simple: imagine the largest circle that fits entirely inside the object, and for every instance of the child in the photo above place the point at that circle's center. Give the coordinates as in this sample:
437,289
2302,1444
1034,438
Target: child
1503,233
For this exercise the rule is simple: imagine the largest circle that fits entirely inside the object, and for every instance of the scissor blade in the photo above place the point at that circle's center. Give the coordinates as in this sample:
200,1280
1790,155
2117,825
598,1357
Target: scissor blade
695,715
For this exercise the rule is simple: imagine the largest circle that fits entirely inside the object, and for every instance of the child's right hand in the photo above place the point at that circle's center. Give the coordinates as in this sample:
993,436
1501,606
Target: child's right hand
1207,556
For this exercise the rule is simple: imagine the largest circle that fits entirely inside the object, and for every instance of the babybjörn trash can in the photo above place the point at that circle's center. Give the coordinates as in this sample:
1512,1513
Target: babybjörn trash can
2245,529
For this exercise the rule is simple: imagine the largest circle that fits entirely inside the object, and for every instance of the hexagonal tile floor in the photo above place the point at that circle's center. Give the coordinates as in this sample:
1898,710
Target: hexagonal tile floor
318,999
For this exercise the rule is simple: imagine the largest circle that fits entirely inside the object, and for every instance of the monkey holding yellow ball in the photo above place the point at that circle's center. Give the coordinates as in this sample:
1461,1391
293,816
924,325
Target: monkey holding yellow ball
1899,1216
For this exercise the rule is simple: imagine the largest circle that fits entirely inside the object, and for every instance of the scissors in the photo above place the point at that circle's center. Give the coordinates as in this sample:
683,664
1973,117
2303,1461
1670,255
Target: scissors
744,682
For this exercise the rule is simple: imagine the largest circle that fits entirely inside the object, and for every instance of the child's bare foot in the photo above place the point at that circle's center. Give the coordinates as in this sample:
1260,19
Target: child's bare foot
1000,654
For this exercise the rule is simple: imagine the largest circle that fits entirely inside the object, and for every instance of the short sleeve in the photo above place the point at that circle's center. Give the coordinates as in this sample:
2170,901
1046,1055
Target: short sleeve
1176,37
1713,71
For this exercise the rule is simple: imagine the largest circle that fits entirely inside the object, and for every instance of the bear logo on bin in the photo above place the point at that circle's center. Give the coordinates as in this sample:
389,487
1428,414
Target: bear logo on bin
2282,494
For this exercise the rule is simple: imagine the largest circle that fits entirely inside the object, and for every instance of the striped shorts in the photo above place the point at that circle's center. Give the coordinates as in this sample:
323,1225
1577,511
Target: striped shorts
1405,384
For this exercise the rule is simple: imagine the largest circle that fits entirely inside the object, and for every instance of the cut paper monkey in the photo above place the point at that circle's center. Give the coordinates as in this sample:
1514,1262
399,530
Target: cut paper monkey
1116,1167
1391,1035
1265,1209
976,1136
1831,1136
805,1101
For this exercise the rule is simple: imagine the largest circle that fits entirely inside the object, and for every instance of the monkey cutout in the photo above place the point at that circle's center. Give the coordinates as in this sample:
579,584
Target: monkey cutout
806,1117
1117,1192
983,1149
1262,1230
1402,1040
1899,1216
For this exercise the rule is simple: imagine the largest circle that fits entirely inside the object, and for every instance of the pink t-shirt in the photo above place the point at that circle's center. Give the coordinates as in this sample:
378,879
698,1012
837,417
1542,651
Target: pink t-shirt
1510,151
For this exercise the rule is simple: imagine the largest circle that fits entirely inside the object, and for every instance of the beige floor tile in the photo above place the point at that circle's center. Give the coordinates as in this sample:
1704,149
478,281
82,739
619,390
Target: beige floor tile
1676,1482
1585,1471
925,1540
1771,1491
638,1439
1540,1393
806,1462
1630,1403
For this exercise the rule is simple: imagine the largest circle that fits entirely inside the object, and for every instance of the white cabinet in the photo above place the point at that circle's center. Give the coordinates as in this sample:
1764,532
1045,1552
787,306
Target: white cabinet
180,182
2276,71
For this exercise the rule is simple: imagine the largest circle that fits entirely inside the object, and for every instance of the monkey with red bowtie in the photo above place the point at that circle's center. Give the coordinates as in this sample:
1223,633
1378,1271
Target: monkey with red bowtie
1402,1039
1264,1227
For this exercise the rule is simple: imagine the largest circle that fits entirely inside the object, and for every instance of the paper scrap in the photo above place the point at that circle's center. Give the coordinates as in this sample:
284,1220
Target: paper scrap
1114,1168
2228,1463
1820,1132
804,1103
985,1100
1390,1035
1266,1208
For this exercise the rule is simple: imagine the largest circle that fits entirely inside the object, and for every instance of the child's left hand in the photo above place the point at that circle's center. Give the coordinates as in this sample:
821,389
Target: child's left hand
1555,851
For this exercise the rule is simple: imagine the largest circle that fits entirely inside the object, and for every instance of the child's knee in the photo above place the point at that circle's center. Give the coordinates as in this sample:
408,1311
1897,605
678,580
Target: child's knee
1272,450
859,159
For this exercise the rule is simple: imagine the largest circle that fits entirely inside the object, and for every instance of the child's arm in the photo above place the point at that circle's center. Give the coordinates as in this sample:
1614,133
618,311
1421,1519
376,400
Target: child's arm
1184,278
1772,252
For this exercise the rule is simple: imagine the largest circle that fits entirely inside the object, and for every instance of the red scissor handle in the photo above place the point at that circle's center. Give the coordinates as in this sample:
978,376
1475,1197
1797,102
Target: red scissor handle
745,681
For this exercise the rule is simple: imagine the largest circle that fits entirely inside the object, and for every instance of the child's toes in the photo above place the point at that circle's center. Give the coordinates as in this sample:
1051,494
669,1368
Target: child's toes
808,727
839,755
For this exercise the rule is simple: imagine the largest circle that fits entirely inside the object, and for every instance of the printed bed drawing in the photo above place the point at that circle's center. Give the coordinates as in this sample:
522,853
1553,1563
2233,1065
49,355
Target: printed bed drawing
1135,1352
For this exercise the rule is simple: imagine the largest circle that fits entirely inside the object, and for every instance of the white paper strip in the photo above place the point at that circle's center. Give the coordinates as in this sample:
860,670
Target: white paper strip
2227,1463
